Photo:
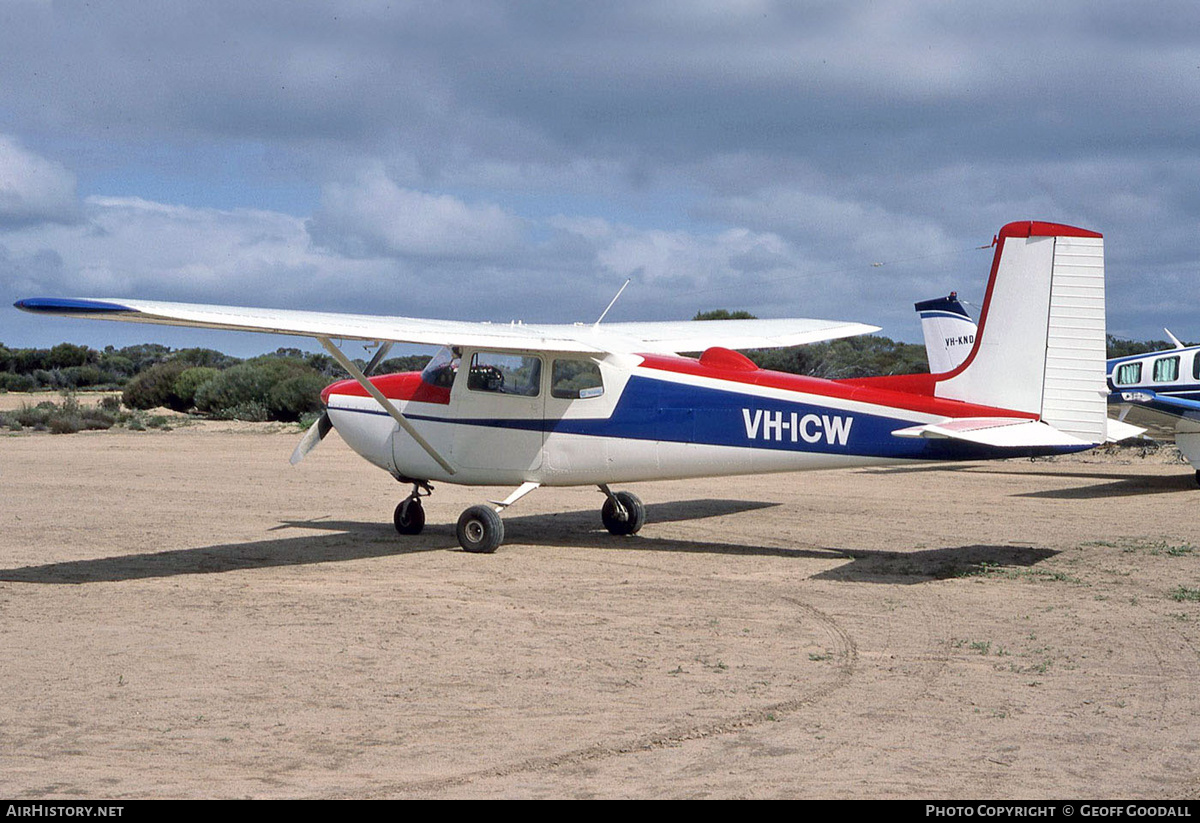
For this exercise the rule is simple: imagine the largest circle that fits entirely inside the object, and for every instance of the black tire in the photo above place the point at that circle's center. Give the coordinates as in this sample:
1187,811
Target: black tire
635,514
480,530
409,516
1198,477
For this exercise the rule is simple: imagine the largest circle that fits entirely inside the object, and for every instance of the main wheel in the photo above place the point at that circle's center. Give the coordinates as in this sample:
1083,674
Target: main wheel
410,516
634,516
480,530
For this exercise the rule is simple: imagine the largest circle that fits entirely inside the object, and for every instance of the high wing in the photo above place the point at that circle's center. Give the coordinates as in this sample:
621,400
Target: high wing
648,338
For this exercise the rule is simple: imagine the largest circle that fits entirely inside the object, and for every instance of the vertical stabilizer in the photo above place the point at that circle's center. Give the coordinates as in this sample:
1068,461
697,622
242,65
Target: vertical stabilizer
949,332
1040,345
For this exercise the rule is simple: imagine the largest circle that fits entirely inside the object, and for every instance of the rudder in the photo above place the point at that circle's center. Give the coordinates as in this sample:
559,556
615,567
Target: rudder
1040,345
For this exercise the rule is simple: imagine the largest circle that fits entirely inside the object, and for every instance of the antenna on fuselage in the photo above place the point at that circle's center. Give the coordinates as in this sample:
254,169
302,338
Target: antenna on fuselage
1174,339
604,313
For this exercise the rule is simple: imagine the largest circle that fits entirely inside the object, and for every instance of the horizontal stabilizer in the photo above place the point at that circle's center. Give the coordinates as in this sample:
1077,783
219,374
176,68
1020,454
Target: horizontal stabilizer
1001,432
1119,430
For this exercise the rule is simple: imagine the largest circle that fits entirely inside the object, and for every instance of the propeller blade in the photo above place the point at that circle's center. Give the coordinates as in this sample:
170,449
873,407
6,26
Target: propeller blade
315,434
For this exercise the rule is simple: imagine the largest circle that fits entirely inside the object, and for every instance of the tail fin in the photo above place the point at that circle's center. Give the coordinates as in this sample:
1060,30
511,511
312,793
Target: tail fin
949,332
1040,345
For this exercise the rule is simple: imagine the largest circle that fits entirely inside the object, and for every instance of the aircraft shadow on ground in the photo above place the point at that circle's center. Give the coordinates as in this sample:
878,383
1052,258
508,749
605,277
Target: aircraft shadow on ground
354,540
1112,484
1120,485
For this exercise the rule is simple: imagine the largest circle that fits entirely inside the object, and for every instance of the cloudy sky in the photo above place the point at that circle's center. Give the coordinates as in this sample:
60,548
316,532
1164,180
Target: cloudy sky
520,160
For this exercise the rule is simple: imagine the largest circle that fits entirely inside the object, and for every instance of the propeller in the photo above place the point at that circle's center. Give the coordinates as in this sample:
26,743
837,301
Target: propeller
315,434
317,431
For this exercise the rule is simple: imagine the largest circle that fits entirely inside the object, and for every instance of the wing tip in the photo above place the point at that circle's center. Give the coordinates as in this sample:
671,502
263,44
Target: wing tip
69,305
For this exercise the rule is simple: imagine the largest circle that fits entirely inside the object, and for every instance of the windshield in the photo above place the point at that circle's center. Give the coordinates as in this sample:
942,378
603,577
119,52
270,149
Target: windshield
442,367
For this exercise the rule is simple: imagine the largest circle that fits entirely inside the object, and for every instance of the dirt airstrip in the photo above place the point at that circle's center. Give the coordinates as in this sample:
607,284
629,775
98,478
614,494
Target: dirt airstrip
183,614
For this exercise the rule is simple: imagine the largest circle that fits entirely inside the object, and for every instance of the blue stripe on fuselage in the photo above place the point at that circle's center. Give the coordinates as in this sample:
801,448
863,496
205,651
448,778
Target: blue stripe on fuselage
652,409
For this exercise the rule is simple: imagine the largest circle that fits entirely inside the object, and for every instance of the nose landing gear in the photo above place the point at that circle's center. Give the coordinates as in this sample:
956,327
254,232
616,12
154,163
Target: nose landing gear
409,516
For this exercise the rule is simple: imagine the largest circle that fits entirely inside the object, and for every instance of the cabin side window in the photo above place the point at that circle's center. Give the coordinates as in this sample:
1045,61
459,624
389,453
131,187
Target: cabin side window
504,373
1166,370
1196,366
575,380
1129,373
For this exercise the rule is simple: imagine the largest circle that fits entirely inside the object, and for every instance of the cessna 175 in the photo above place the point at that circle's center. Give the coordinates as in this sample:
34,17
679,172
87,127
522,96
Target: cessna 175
600,404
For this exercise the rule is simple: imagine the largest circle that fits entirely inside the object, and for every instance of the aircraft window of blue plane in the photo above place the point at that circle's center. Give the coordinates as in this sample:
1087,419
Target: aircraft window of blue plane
505,374
575,380
1129,373
442,367
1196,365
1166,369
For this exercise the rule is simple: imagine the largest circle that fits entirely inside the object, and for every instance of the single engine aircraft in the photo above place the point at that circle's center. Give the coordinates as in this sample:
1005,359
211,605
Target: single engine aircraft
602,404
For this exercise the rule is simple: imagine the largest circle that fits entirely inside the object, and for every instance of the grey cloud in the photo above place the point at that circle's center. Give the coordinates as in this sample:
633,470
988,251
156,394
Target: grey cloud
32,188
375,217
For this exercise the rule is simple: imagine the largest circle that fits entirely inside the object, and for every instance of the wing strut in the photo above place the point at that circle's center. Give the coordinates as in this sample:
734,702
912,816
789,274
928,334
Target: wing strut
388,406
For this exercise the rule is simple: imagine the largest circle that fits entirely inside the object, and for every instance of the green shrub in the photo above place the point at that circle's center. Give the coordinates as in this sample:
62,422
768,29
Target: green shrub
16,382
65,424
33,417
208,358
265,388
294,397
189,381
67,417
77,377
94,417
155,387
120,367
248,411
65,355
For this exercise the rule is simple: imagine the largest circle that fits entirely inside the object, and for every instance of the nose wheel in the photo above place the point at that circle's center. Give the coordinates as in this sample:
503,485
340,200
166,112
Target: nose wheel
409,517
623,513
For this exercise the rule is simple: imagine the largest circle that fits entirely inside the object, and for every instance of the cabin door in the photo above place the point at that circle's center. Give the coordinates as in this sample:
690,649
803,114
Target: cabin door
498,406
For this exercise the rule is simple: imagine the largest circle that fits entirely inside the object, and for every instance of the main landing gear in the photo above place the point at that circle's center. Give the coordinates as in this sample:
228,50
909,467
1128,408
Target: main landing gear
481,531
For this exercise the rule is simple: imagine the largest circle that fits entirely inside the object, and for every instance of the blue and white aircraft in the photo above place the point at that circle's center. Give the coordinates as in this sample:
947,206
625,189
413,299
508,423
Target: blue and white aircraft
599,404
1160,391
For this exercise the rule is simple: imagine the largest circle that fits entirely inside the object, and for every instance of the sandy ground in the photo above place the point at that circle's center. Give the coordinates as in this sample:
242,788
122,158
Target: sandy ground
183,614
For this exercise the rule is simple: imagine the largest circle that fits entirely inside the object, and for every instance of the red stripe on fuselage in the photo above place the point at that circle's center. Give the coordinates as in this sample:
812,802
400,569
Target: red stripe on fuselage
909,392
407,386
